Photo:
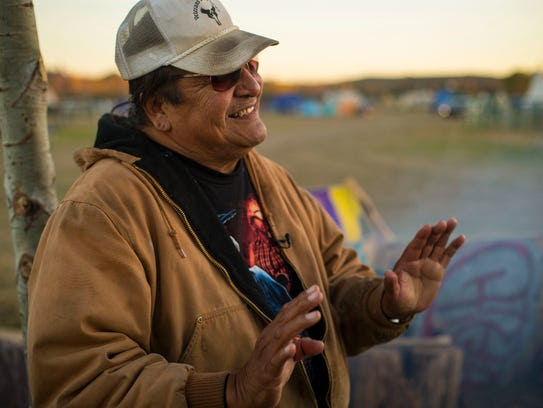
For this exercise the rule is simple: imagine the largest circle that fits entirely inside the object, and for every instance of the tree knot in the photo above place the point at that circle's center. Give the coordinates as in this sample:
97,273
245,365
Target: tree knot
25,266
24,206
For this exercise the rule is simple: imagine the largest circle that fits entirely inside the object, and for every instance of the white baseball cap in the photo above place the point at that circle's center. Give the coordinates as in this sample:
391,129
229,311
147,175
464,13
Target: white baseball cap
194,35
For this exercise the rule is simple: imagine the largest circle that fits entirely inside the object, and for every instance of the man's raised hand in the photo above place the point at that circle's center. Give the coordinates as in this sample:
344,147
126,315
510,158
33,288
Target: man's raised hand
418,273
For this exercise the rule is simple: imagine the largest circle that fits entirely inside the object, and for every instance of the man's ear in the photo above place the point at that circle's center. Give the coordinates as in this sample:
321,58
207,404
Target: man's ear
154,109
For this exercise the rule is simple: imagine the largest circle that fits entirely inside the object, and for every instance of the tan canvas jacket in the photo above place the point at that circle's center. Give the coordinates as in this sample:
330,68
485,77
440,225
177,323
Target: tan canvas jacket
129,309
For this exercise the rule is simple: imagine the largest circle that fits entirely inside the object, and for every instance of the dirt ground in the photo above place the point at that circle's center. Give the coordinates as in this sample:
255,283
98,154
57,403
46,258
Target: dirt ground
419,168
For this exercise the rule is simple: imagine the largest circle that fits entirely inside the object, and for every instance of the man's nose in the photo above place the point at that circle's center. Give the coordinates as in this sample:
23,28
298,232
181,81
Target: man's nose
249,83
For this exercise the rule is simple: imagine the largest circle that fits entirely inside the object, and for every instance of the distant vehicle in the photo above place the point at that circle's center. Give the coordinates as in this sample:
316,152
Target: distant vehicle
449,103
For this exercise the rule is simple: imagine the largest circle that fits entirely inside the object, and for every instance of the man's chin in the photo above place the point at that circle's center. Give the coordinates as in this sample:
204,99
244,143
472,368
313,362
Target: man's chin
253,137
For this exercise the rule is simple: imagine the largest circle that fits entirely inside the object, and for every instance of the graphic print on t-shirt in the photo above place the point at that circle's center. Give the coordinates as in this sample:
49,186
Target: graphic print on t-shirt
251,234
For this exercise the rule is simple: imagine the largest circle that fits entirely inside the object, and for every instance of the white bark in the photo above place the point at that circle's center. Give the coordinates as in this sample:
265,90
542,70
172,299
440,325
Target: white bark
28,166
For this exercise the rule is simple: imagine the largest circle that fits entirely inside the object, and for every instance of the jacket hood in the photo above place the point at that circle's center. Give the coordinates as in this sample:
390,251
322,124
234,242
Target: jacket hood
117,133
115,137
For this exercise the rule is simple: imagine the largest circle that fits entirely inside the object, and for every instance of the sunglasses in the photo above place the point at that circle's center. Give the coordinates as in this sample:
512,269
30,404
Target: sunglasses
222,83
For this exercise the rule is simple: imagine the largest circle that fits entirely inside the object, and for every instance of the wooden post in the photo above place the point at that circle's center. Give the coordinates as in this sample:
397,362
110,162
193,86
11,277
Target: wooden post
370,209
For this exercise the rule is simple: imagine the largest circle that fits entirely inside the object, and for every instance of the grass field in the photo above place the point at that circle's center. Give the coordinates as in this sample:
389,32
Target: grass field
416,167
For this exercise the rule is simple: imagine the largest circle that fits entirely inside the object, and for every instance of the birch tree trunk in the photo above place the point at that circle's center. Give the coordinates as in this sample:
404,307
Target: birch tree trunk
29,174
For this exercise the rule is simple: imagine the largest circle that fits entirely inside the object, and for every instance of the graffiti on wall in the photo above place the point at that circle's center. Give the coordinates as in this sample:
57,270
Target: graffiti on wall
489,303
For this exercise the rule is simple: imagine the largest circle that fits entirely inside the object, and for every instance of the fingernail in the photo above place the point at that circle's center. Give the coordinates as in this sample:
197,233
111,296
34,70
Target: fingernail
312,315
311,289
313,296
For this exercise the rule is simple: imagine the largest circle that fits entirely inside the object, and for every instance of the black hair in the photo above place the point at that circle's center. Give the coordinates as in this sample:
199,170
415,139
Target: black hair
160,83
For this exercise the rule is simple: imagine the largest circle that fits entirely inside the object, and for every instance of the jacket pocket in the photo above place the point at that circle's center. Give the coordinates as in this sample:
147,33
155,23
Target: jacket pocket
222,339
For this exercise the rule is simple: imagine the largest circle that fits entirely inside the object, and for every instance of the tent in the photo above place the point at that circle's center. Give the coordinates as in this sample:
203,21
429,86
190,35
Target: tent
534,96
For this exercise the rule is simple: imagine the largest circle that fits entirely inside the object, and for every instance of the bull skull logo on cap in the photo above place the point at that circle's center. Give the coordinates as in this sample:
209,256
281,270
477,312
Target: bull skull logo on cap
208,8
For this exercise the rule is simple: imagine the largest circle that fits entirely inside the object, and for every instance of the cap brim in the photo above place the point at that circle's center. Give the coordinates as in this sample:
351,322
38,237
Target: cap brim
224,55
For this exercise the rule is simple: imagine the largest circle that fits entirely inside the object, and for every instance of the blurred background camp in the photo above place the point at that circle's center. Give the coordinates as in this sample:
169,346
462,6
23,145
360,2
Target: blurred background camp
435,109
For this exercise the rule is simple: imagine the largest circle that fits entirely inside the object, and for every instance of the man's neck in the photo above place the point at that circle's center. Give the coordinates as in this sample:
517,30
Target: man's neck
225,165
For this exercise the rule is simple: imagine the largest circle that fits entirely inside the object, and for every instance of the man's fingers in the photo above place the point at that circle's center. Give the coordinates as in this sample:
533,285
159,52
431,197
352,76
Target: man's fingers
295,316
451,250
437,231
413,250
307,347
429,242
439,247
305,301
299,349
276,364
291,328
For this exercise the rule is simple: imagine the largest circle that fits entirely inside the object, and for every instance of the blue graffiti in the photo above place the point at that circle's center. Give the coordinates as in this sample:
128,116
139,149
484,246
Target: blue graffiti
489,304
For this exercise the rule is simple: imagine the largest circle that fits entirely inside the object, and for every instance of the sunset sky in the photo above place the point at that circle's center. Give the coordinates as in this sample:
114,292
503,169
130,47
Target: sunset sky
324,40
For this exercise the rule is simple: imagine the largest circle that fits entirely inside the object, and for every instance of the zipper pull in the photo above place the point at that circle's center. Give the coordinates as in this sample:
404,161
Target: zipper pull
172,233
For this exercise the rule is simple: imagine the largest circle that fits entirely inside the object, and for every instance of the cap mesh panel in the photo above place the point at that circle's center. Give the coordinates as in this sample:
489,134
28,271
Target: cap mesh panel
142,34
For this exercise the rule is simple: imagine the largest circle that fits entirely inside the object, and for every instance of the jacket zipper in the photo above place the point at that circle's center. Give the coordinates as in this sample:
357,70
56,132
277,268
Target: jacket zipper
181,213
271,223
287,260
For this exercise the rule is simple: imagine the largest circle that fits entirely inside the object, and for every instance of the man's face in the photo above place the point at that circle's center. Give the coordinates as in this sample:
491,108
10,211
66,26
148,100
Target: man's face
217,127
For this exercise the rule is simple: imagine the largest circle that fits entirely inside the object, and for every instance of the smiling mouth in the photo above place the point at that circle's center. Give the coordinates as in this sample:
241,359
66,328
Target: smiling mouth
242,113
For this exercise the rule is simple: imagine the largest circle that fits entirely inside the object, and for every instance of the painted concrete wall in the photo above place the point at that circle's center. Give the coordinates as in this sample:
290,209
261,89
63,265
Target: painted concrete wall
491,304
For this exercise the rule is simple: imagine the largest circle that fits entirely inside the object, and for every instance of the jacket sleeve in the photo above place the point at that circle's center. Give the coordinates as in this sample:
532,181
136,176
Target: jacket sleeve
90,318
354,289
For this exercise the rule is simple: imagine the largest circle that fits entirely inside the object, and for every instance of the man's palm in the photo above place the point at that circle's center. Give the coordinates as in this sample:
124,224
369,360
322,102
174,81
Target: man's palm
418,273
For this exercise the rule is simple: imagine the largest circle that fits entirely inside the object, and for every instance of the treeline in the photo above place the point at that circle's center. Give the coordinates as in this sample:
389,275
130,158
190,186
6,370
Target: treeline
515,85
113,86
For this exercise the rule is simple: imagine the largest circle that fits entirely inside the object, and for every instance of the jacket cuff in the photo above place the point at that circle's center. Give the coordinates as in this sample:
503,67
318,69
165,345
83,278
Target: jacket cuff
377,314
206,390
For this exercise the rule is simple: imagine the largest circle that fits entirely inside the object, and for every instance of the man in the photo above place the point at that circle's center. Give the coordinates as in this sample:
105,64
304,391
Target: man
184,269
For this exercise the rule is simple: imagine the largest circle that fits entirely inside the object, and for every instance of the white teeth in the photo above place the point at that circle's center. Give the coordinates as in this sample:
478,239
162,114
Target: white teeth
243,112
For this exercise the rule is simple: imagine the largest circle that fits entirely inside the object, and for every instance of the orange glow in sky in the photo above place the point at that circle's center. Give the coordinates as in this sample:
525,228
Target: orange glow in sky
322,40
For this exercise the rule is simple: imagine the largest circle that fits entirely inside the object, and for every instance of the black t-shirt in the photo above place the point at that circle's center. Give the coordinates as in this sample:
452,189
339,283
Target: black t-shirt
236,204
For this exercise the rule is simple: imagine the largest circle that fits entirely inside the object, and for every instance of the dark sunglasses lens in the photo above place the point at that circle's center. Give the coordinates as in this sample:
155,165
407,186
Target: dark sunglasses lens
224,82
